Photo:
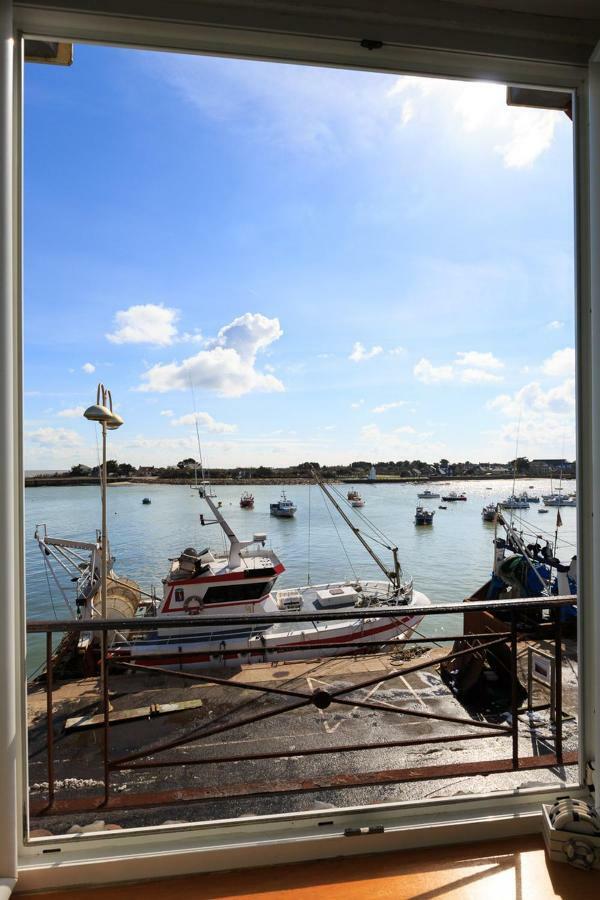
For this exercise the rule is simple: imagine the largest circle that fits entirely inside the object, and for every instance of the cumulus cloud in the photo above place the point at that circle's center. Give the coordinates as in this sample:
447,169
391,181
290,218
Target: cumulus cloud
357,404
478,376
145,323
426,372
477,360
206,422
227,367
54,438
387,406
560,364
469,367
555,325
73,412
167,412
88,368
360,353
518,135
540,417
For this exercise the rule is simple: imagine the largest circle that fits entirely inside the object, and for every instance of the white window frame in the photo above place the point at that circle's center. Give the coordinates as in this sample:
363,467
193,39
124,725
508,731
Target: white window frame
158,852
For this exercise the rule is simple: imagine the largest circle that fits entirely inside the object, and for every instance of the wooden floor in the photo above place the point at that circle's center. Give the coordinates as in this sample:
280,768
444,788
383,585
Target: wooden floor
492,870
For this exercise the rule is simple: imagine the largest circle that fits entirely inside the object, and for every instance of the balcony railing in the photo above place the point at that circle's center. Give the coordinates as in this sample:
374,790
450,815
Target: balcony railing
504,624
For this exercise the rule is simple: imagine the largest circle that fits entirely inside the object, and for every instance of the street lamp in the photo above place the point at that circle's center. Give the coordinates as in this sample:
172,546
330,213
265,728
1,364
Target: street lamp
102,412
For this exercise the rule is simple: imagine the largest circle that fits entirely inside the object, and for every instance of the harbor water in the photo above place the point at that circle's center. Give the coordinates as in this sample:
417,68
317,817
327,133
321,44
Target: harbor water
448,560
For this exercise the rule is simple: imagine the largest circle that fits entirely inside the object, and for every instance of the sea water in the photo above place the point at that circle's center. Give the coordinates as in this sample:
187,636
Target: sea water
448,560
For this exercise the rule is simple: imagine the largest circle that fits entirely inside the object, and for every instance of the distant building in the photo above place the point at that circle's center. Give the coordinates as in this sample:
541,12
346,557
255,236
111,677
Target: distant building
547,467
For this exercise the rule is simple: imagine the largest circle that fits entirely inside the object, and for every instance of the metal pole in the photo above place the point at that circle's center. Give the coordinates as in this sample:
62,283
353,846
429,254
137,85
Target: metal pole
10,477
514,705
558,716
104,528
49,717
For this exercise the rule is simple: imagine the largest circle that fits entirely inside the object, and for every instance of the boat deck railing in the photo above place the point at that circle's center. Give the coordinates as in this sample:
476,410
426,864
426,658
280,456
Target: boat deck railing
510,624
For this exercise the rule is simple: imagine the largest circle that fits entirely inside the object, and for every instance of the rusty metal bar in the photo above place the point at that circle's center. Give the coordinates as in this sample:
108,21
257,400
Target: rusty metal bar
193,735
417,667
514,700
174,797
37,626
558,723
50,717
313,751
106,723
419,714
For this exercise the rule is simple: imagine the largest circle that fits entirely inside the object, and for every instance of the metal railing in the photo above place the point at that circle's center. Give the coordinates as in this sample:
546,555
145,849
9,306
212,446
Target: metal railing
514,630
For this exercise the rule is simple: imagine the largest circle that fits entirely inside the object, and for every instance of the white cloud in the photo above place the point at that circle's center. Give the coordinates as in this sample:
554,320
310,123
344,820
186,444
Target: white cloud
397,351
206,422
560,364
227,367
478,376
145,323
88,367
475,372
386,406
518,135
360,353
429,374
357,404
54,438
539,418
330,428
73,413
167,412
555,325
336,111
477,360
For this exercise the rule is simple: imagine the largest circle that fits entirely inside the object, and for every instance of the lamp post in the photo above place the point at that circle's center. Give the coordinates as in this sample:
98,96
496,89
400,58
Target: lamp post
102,412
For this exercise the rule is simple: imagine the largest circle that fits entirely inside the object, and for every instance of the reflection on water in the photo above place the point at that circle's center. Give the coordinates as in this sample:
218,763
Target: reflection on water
448,560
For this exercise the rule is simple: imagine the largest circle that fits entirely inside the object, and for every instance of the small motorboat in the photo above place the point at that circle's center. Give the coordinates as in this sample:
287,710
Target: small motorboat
542,510
247,500
357,500
353,495
146,501
442,507
424,516
428,495
284,508
453,497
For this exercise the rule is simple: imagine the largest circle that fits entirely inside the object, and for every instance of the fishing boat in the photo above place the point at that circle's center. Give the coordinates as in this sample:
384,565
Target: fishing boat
514,502
146,501
241,582
543,510
428,495
355,499
247,500
488,513
424,516
452,497
284,508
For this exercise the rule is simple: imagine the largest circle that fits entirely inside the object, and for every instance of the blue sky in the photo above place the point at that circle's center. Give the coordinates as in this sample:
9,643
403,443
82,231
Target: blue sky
344,265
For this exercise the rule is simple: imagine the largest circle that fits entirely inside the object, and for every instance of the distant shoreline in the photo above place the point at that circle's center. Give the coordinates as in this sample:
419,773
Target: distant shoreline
65,481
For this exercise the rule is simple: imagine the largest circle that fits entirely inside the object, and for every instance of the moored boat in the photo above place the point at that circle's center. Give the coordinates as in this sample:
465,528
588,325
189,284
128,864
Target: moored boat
488,513
428,495
424,516
247,500
284,508
514,502
452,497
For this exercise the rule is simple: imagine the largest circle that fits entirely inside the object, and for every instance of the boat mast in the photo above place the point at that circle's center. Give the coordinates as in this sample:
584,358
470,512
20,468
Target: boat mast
395,575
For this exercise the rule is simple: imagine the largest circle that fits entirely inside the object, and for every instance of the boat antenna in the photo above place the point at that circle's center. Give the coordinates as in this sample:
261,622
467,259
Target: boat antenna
394,575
